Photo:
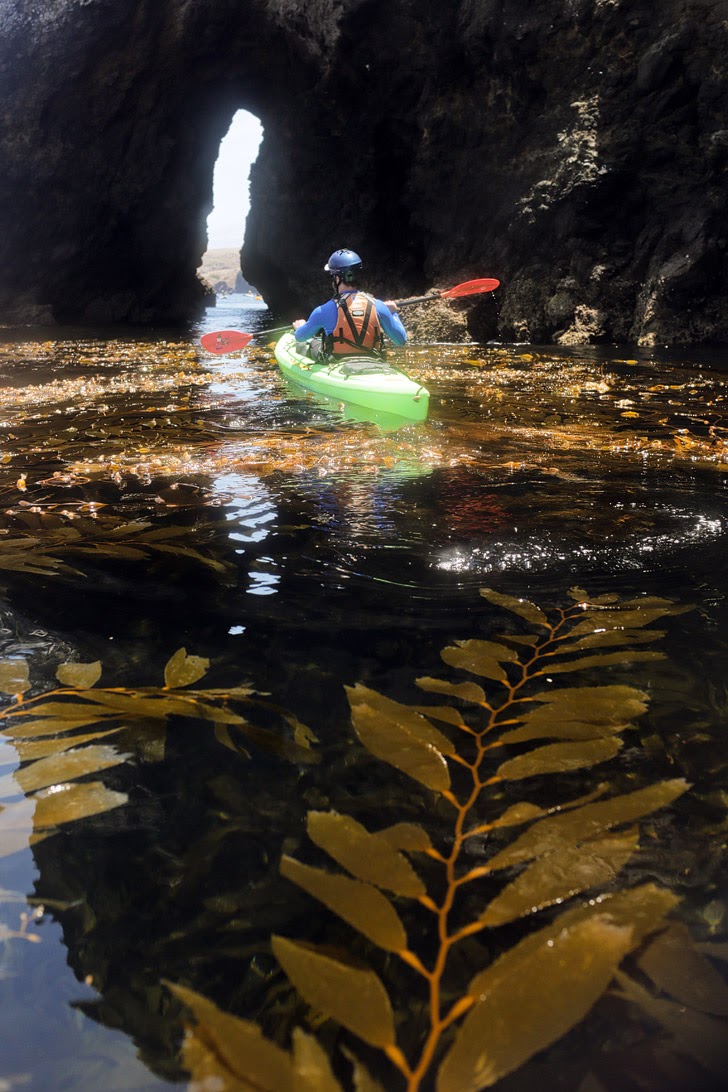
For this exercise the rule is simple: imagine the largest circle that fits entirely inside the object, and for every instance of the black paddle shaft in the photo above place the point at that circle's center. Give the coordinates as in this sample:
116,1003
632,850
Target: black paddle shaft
419,299
467,288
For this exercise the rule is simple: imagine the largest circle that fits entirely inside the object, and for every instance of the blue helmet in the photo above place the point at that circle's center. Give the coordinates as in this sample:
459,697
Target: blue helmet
343,263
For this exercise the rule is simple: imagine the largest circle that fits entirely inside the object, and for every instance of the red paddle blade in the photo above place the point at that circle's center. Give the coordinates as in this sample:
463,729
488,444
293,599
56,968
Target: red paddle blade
225,341
471,288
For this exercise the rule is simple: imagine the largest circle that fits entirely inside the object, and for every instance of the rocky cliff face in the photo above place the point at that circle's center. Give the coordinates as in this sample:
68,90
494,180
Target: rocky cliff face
574,148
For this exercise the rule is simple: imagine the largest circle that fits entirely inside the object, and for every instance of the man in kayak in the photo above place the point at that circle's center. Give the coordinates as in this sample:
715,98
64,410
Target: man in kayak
353,322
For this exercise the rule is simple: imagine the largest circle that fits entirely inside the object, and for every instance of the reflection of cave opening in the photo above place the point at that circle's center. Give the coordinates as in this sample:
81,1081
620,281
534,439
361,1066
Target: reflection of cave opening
220,264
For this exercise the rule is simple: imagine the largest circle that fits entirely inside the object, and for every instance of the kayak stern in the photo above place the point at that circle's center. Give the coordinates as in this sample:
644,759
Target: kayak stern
360,381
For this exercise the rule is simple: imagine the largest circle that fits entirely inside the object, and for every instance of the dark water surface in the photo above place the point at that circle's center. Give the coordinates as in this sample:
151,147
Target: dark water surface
153,498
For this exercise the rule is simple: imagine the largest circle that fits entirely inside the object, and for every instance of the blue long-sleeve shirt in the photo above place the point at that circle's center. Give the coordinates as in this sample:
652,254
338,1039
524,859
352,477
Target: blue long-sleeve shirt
323,318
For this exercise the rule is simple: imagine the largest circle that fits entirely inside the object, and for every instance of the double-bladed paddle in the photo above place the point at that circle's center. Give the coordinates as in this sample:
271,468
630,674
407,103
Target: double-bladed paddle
230,341
467,288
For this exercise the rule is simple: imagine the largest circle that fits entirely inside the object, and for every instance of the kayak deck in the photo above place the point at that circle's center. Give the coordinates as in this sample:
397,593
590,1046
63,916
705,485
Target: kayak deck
359,380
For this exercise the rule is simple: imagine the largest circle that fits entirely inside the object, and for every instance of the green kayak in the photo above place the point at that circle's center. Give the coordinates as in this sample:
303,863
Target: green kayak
359,380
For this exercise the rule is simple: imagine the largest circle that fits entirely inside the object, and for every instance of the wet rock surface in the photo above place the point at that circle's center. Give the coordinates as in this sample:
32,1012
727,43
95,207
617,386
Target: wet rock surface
574,150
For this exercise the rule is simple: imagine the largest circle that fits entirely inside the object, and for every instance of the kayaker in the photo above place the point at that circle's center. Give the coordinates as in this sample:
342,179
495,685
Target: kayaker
353,322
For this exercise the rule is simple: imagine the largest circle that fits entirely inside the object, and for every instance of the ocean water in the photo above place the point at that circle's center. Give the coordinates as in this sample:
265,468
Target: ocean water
157,498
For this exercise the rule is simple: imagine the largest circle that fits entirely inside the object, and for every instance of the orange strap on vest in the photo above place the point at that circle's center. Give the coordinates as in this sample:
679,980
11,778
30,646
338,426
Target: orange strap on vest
357,328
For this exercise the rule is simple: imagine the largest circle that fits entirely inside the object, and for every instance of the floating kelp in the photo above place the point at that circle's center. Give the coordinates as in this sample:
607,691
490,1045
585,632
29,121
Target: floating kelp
511,727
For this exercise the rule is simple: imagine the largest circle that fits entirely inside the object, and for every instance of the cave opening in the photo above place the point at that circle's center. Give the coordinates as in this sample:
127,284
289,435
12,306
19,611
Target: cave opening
220,265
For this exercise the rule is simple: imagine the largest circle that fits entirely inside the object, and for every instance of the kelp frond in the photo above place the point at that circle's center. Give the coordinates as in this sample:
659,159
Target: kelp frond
507,723
65,736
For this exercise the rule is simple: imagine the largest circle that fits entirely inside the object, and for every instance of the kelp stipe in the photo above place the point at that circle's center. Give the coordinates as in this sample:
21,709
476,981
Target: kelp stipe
498,731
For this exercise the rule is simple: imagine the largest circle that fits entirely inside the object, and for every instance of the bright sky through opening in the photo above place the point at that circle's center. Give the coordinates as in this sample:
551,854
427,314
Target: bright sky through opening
231,198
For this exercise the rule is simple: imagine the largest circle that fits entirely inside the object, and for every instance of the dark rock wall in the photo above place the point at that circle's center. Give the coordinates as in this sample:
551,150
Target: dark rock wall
574,148
112,116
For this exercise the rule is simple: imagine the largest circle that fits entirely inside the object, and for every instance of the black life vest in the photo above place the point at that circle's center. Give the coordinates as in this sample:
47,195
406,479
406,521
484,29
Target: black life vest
357,330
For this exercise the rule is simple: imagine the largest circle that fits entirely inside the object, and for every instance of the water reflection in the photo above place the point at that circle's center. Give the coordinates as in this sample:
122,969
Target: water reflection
153,498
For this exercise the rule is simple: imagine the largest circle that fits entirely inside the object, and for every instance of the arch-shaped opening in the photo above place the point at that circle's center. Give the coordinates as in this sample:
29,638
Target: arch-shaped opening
220,264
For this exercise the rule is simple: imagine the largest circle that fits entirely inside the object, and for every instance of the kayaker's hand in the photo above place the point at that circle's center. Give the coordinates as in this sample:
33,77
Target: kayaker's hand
297,323
392,305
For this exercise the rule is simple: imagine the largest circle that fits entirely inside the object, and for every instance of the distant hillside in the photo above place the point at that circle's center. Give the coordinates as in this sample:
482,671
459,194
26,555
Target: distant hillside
221,270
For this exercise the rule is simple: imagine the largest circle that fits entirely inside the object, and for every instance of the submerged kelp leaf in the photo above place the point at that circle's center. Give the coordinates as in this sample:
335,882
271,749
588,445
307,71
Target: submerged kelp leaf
29,553
220,1047
525,812
573,827
182,670
585,599
233,692
387,741
95,538
31,750
353,996
311,1069
701,1036
612,702
222,568
559,757
68,710
522,607
610,638
644,602
222,735
14,678
115,551
279,746
50,726
676,966
516,814
445,713
79,676
466,691
404,716
408,836
527,1000
157,704
634,618
559,876
551,726
68,766
589,712
302,734
642,908
143,703
24,557
527,640
68,803
480,658
367,856
361,905
207,1070
607,659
